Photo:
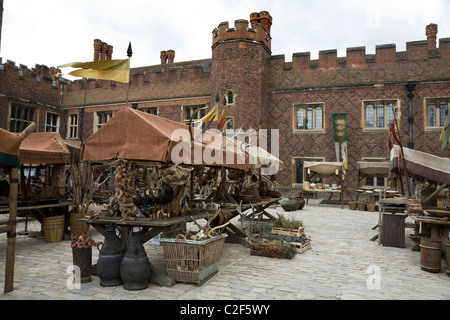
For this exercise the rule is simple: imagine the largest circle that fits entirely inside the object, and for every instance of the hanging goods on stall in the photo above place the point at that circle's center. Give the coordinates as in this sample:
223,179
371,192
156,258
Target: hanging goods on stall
110,259
135,266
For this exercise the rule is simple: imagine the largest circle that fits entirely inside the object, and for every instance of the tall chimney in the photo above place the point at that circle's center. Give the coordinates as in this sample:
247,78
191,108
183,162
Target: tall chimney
431,32
97,47
170,56
109,52
163,56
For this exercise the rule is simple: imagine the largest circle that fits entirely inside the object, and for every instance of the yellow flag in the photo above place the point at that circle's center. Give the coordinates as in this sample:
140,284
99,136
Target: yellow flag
211,114
115,70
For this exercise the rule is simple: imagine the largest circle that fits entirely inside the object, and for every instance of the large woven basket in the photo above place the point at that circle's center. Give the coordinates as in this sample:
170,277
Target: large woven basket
53,228
77,227
192,261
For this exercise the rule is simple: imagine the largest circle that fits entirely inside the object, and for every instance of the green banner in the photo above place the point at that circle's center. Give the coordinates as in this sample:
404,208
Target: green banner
340,127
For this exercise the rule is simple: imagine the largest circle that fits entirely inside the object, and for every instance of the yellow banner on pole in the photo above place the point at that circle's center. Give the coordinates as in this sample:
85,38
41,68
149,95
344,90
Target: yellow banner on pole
115,70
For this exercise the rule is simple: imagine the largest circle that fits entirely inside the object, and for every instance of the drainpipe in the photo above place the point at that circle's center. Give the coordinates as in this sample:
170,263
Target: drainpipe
410,87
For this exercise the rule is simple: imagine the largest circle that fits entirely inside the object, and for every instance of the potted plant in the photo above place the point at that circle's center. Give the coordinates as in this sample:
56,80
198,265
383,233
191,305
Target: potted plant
82,255
288,226
361,205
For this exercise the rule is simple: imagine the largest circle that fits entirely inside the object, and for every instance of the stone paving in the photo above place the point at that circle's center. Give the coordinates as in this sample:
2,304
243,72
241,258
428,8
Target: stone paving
342,264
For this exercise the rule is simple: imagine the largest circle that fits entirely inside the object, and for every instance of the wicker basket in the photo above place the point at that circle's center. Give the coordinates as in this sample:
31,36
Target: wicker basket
77,227
192,261
53,228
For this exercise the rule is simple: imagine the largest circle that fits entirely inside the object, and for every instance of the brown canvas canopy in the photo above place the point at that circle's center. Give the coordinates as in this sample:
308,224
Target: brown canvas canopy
421,165
9,148
136,135
43,148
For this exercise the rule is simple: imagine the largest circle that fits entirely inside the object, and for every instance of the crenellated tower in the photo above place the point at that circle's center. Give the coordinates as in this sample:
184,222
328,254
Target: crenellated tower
240,56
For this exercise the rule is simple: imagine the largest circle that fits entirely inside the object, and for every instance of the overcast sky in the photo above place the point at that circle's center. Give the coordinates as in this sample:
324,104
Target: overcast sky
55,32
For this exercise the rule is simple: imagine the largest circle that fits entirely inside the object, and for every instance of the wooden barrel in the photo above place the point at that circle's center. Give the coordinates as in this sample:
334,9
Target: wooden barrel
430,255
447,255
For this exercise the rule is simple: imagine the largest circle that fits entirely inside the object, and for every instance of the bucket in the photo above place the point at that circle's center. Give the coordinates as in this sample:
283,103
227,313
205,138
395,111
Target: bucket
371,206
430,255
352,205
77,228
447,255
53,228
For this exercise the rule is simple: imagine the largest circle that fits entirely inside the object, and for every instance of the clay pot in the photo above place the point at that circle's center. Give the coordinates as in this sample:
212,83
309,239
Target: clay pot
293,204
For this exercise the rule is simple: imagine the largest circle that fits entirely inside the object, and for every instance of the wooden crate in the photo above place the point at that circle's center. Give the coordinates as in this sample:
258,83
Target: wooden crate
289,232
301,247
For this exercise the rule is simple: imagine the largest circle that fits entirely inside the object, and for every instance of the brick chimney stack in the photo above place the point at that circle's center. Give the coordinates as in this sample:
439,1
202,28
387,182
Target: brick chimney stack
263,18
167,56
431,32
102,51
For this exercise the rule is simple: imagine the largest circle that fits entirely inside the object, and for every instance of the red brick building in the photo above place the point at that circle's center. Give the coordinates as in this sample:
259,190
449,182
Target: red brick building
298,97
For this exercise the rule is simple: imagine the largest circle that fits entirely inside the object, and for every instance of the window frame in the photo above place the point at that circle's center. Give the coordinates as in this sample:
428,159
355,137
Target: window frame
51,125
439,121
309,110
72,127
379,107
23,122
97,124
193,108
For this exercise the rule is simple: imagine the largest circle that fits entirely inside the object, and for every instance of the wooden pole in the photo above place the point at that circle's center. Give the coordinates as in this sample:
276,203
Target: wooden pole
11,235
12,221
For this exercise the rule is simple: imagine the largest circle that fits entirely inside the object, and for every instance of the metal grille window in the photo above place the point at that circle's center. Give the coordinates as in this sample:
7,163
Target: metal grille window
437,111
52,122
309,117
20,117
369,116
379,114
197,112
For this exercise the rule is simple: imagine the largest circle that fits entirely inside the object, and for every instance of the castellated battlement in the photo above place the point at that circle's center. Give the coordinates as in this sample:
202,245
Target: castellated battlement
152,75
357,58
386,53
40,74
242,32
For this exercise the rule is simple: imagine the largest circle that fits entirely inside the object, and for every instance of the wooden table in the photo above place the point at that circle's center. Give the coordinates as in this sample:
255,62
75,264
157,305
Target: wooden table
41,211
149,227
438,228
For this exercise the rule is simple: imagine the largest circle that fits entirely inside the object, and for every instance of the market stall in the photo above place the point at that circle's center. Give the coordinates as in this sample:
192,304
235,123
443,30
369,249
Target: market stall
156,163
44,158
422,167
375,169
323,170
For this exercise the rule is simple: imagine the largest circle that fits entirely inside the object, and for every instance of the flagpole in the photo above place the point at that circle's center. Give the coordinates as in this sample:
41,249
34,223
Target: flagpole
129,54
403,156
